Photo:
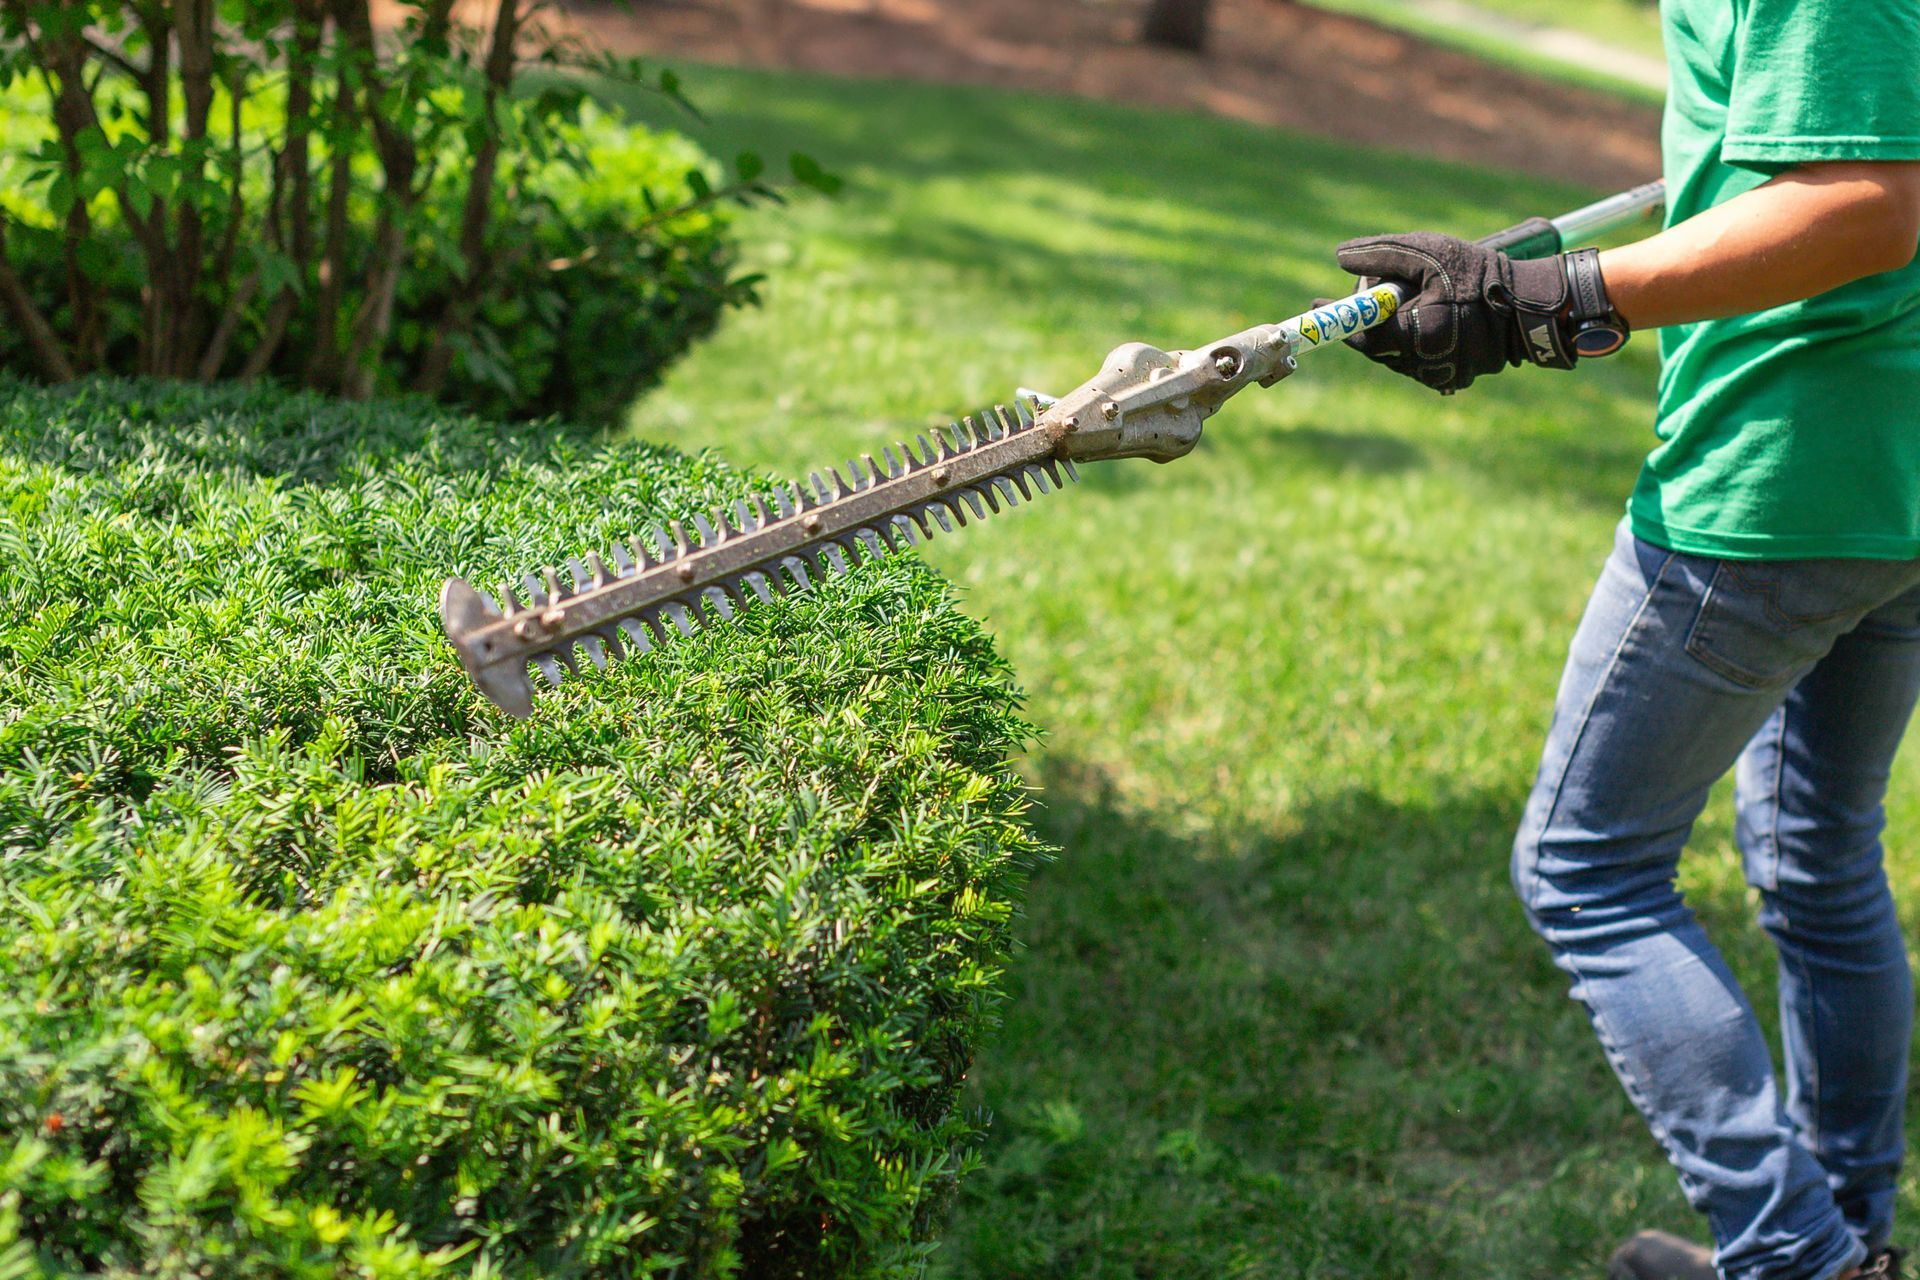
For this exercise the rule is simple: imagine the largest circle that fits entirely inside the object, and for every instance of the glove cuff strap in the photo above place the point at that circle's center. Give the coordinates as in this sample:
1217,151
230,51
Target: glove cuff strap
1540,300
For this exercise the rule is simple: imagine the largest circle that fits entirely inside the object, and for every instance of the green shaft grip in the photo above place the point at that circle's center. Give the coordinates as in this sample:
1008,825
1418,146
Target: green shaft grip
1534,238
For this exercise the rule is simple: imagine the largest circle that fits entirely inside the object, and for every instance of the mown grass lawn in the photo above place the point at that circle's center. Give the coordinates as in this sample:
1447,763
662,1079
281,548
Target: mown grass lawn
1277,1015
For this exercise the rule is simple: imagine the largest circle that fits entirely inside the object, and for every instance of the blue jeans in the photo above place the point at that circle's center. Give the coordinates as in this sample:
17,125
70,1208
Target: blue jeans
1800,676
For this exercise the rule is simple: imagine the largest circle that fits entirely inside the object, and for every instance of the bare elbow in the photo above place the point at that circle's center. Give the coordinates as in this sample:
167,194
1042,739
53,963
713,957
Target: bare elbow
1890,231
1867,211
1897,237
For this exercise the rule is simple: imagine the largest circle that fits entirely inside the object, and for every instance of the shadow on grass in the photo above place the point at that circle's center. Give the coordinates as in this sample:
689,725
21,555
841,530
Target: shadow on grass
1308,1041
1328,1045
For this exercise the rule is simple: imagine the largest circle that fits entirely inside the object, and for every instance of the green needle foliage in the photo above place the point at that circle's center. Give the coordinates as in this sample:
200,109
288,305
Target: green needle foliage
316,966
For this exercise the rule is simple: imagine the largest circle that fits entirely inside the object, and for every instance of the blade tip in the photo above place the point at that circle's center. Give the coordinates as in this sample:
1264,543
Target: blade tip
464,611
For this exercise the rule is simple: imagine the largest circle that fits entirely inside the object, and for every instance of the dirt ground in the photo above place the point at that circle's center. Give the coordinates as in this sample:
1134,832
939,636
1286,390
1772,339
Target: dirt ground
1272,62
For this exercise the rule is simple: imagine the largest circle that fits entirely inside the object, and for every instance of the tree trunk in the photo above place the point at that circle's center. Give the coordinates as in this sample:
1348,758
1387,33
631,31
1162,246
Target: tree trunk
1177,24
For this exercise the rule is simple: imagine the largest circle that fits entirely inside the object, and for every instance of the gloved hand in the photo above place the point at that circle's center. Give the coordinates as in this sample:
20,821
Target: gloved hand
1469,311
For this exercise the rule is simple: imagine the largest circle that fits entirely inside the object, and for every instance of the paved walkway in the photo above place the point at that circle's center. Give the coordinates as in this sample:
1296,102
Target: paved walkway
1289,65
1548,42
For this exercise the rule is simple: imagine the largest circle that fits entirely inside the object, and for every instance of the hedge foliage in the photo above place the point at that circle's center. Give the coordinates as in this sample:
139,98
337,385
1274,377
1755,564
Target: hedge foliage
316,966
608,255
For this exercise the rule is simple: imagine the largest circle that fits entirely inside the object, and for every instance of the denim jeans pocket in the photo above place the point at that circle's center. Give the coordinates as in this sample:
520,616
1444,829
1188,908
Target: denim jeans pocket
1763,622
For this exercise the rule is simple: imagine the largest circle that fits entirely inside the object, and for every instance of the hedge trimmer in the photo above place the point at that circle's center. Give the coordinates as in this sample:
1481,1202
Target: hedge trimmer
1144,403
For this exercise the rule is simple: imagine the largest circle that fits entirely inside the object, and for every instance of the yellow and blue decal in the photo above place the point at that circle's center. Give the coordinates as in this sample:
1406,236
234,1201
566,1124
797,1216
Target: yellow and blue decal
1349,315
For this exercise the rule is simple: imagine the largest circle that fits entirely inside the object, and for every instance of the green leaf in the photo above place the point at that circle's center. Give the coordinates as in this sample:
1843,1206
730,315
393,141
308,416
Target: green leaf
808,173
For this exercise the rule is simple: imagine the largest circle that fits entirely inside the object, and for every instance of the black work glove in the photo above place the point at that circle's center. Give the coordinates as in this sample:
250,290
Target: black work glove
1469,310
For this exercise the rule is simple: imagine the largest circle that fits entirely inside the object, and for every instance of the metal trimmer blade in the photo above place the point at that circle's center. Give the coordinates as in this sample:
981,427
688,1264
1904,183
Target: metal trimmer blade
672,580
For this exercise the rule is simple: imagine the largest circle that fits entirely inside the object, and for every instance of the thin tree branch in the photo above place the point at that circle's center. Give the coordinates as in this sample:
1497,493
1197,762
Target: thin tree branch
322,362
463,302
193,32
41,339
216,352
271,335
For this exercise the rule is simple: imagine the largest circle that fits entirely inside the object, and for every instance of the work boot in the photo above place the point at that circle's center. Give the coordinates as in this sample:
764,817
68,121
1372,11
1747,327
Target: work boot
1655,1255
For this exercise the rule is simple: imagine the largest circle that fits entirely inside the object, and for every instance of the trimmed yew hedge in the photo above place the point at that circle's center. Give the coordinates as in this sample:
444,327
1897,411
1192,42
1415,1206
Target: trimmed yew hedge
314,965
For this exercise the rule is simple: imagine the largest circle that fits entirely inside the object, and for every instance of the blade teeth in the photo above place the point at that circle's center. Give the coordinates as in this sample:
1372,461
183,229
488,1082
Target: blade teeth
706,605
638,636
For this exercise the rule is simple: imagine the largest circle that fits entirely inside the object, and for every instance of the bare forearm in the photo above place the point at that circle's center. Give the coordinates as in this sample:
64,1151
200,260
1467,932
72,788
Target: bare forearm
1809,230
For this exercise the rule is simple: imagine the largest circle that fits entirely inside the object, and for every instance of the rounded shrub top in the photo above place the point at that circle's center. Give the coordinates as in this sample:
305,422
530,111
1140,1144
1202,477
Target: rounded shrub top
316,966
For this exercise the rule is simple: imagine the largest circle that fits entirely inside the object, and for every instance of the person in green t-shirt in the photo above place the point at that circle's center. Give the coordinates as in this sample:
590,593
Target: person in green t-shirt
1760,613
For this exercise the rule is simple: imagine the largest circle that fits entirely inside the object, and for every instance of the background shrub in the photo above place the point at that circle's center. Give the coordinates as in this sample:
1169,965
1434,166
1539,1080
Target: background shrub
354,197
315,966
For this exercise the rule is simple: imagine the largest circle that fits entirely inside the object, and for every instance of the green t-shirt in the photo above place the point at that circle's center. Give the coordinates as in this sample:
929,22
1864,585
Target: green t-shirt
1794,432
